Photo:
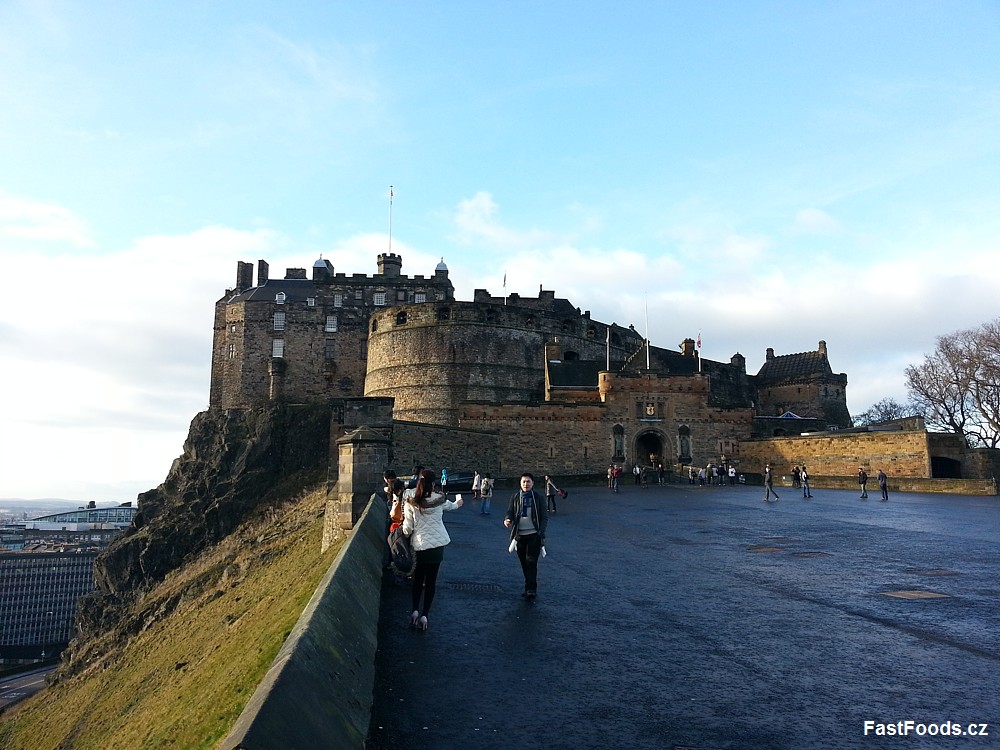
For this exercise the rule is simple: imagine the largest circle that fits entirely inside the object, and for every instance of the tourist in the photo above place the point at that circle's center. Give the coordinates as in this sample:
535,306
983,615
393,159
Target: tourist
769,484
795,476
732,474
486,492
804,477
477,484
527,518
659,474
883,484
424,525
550,494
863,481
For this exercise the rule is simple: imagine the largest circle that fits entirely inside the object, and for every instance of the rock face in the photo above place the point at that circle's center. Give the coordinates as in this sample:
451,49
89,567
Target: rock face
234,464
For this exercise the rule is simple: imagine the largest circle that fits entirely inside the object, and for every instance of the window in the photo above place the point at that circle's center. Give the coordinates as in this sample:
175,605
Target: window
419,297
277,348
379,299
401,318
331,323
401,295
359,294
232,351
338,300
279,321
279,298
330,349
232,328
310,302
443,313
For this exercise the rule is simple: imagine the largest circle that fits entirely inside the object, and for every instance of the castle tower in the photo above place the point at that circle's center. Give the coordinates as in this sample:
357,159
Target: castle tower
390,265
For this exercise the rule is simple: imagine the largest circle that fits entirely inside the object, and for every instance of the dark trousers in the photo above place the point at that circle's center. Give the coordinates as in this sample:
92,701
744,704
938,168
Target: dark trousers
424,580
529,549
864,489
550,502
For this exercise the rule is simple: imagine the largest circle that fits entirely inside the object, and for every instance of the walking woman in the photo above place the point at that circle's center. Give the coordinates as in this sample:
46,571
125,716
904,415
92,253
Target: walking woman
424,525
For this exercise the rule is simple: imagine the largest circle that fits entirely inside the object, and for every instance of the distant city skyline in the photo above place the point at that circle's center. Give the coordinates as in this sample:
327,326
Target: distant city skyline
768,174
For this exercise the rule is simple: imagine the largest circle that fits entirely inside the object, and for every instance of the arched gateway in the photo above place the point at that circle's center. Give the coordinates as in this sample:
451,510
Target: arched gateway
649,449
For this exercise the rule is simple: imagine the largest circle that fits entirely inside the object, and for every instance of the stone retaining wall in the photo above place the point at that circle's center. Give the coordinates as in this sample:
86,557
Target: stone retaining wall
318,691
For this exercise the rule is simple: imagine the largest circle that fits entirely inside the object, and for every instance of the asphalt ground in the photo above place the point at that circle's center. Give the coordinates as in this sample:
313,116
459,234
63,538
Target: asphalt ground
687,617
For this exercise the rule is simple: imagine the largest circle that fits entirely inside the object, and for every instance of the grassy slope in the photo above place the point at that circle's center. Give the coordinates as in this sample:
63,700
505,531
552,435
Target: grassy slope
183,681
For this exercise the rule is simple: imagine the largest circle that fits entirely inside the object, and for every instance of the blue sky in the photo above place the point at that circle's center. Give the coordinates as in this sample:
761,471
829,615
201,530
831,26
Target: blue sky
770,174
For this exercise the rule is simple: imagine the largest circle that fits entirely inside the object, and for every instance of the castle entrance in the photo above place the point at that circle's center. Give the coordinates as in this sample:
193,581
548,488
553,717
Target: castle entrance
649,449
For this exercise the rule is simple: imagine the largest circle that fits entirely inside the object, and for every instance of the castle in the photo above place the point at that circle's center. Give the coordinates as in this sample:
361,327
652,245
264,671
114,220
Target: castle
522,379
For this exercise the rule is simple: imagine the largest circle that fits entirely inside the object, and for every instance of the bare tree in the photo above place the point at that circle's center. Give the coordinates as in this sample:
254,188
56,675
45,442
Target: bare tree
884,410
957,388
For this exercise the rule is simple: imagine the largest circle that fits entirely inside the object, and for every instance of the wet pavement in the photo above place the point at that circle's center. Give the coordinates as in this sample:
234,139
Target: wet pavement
685,617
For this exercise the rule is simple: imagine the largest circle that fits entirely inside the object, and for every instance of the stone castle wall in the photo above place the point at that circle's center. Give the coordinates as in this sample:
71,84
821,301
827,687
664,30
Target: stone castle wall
432,358
898,453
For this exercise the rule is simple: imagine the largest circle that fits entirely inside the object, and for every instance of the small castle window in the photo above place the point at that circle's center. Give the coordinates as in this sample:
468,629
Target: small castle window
331,323
232,351
359,294
310,301
277,348
419,297
401,318
443,313
379,299
401,295
279,321
330,349
232,328
374,326
591,332
279,298
338,300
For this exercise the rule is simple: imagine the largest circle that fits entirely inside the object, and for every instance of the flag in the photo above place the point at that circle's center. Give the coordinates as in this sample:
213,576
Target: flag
390,192
699,339
505,280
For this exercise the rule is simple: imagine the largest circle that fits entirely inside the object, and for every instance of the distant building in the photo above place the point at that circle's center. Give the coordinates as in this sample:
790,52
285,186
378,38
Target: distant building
38,594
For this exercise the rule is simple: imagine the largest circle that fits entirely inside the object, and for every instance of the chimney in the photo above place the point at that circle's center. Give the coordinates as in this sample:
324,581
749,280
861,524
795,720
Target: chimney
770,354
822,348
261,272
244,276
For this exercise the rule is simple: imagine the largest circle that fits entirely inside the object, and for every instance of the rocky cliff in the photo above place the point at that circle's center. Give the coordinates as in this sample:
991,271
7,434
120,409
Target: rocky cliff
234,464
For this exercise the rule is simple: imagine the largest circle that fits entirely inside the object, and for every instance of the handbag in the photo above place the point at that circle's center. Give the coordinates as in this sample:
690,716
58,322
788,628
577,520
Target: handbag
563,493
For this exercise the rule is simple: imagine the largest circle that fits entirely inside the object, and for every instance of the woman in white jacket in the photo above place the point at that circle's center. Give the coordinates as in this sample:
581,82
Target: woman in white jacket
424,525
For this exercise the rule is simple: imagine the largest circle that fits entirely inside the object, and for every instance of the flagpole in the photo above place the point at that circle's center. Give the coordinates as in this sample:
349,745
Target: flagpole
646,303
390,218
607,339
699,351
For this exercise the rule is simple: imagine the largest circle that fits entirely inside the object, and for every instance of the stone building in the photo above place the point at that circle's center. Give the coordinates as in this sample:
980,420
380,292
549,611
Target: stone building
305,339
523,378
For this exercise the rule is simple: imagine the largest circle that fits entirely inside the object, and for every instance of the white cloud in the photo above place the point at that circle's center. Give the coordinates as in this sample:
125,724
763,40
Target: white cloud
816,221
108,356
35,220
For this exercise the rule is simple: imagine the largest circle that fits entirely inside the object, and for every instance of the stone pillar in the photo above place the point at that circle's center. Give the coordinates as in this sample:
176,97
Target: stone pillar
363,457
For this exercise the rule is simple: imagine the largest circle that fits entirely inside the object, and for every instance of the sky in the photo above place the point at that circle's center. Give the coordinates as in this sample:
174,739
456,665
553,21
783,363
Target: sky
768,174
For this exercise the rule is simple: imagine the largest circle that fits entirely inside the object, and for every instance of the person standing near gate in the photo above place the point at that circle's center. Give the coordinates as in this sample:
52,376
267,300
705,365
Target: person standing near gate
883,484
550,494
863,481
804,477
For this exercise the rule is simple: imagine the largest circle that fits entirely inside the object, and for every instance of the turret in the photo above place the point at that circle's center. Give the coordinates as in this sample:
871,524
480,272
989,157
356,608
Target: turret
390,265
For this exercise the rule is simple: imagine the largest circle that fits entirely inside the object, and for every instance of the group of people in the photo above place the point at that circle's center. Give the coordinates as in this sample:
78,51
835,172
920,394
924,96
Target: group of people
800,479
419,512
712,474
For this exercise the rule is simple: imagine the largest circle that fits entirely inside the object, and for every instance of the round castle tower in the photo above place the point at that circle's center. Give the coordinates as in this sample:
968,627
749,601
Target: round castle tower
432,357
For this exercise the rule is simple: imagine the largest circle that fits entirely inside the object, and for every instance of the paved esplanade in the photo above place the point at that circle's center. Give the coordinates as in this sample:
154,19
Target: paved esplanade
680,616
